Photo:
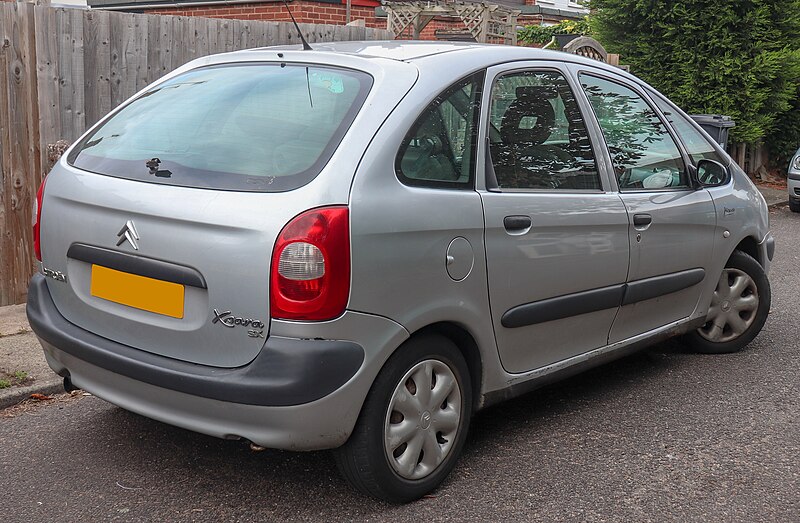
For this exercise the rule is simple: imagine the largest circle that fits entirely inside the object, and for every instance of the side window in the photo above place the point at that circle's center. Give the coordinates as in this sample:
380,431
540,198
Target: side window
537,135
439,150
642,151
696,144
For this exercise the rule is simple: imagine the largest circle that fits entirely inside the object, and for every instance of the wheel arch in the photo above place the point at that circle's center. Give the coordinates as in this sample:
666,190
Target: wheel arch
468,347
749,246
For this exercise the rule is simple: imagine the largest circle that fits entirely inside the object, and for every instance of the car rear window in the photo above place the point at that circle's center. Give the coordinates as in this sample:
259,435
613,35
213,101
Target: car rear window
245,127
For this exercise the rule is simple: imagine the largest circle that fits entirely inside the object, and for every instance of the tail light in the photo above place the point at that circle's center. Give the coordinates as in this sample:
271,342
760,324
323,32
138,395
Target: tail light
310,276
37,221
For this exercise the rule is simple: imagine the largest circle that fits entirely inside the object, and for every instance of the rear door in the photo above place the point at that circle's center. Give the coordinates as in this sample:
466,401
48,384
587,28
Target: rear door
671,223
556,237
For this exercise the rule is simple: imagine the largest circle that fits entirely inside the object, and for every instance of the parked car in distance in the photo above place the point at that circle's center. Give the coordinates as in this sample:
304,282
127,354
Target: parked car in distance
793,182
357,247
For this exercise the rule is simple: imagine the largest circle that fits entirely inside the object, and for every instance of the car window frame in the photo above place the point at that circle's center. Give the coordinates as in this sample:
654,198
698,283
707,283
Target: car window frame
493,73
469,184
641,91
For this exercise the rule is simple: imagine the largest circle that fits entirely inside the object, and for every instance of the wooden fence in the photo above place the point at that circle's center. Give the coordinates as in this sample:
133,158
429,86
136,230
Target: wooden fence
61,70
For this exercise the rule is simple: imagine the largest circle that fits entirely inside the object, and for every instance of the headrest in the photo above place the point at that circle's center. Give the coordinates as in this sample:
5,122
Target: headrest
531,102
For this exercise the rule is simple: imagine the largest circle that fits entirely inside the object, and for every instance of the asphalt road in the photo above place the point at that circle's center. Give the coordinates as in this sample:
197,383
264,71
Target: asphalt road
659,436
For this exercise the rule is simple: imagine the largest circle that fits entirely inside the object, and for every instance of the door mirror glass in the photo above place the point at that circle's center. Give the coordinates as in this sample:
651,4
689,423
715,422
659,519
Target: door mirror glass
711,173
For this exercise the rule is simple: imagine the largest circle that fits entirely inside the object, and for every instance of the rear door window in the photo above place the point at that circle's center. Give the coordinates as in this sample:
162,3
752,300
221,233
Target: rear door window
537,134
247,127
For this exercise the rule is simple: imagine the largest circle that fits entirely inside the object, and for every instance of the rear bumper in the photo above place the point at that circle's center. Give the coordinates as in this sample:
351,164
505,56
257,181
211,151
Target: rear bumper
298,394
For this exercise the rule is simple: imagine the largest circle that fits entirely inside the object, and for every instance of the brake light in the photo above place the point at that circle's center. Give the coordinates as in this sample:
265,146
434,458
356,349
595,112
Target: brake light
310,275
36,215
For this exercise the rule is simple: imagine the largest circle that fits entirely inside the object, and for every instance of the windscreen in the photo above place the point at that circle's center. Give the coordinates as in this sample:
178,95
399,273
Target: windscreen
246,127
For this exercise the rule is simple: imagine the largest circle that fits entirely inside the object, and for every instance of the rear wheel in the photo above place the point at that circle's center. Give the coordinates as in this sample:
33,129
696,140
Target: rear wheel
738,309
413,424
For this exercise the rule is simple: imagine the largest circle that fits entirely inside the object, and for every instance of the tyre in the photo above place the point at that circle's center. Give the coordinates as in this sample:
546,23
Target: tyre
738,309
413,424
794,205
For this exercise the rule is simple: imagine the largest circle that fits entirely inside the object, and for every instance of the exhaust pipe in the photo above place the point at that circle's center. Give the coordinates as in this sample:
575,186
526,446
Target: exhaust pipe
68,386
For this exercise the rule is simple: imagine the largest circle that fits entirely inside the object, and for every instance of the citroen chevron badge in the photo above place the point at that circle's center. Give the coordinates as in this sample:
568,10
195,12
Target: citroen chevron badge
128,232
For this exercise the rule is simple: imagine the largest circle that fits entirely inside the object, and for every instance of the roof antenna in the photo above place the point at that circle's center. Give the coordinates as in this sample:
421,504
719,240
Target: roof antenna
306,47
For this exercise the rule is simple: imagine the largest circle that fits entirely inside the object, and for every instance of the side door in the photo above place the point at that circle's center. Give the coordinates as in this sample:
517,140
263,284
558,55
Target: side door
556,234
671,222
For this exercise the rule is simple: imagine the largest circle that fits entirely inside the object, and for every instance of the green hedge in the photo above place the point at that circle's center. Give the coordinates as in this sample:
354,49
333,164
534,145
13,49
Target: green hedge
735,57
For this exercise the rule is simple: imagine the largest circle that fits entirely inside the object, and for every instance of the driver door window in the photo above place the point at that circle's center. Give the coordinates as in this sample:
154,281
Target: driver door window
643,153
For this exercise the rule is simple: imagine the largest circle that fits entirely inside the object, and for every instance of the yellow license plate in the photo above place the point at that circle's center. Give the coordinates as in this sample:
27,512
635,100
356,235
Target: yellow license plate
140,292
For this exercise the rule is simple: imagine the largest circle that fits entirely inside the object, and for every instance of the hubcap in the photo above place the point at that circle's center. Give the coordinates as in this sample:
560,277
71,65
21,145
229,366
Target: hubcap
422,420
733,307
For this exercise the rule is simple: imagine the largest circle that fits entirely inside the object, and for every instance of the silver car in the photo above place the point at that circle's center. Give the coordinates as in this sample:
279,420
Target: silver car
357,247
794,183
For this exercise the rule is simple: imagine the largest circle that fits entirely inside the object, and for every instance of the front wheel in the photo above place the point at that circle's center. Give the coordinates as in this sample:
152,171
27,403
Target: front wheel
794,205
413,424
738,308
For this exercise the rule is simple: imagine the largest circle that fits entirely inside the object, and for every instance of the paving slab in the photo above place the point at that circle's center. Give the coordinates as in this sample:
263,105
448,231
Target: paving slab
13,320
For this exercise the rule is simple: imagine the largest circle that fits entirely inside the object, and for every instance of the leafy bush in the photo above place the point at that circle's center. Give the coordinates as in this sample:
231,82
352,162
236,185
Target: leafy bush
735,57
541,34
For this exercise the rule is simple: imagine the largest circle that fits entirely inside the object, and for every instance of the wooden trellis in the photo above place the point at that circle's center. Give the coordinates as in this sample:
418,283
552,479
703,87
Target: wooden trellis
588,47
487,23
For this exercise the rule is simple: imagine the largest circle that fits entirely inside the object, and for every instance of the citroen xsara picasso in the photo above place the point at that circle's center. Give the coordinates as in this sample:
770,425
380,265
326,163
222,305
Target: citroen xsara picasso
357,247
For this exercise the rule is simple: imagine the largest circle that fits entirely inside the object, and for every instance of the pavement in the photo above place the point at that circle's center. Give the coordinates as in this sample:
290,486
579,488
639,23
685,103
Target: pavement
20,350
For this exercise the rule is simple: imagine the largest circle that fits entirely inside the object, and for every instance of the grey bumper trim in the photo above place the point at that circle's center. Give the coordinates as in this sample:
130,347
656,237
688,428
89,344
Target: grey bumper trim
600,299
286,371
769,243
136,264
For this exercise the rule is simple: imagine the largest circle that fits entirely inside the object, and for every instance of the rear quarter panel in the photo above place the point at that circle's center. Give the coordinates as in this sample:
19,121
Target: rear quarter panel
400,235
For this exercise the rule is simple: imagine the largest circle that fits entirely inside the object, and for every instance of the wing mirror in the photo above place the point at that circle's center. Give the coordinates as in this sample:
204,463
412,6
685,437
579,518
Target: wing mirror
711,173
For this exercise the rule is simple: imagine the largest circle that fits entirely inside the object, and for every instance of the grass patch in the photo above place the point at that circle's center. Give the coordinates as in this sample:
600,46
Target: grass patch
10,379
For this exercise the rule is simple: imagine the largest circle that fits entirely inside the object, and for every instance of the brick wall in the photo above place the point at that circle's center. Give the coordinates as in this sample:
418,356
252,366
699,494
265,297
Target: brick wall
309,11
304,12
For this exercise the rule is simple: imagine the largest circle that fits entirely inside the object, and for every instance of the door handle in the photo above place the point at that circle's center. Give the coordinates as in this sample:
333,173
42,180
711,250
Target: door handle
518,223
642,221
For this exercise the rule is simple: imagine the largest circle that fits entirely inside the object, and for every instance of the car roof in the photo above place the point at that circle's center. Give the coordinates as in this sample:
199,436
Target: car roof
403,50
433,55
